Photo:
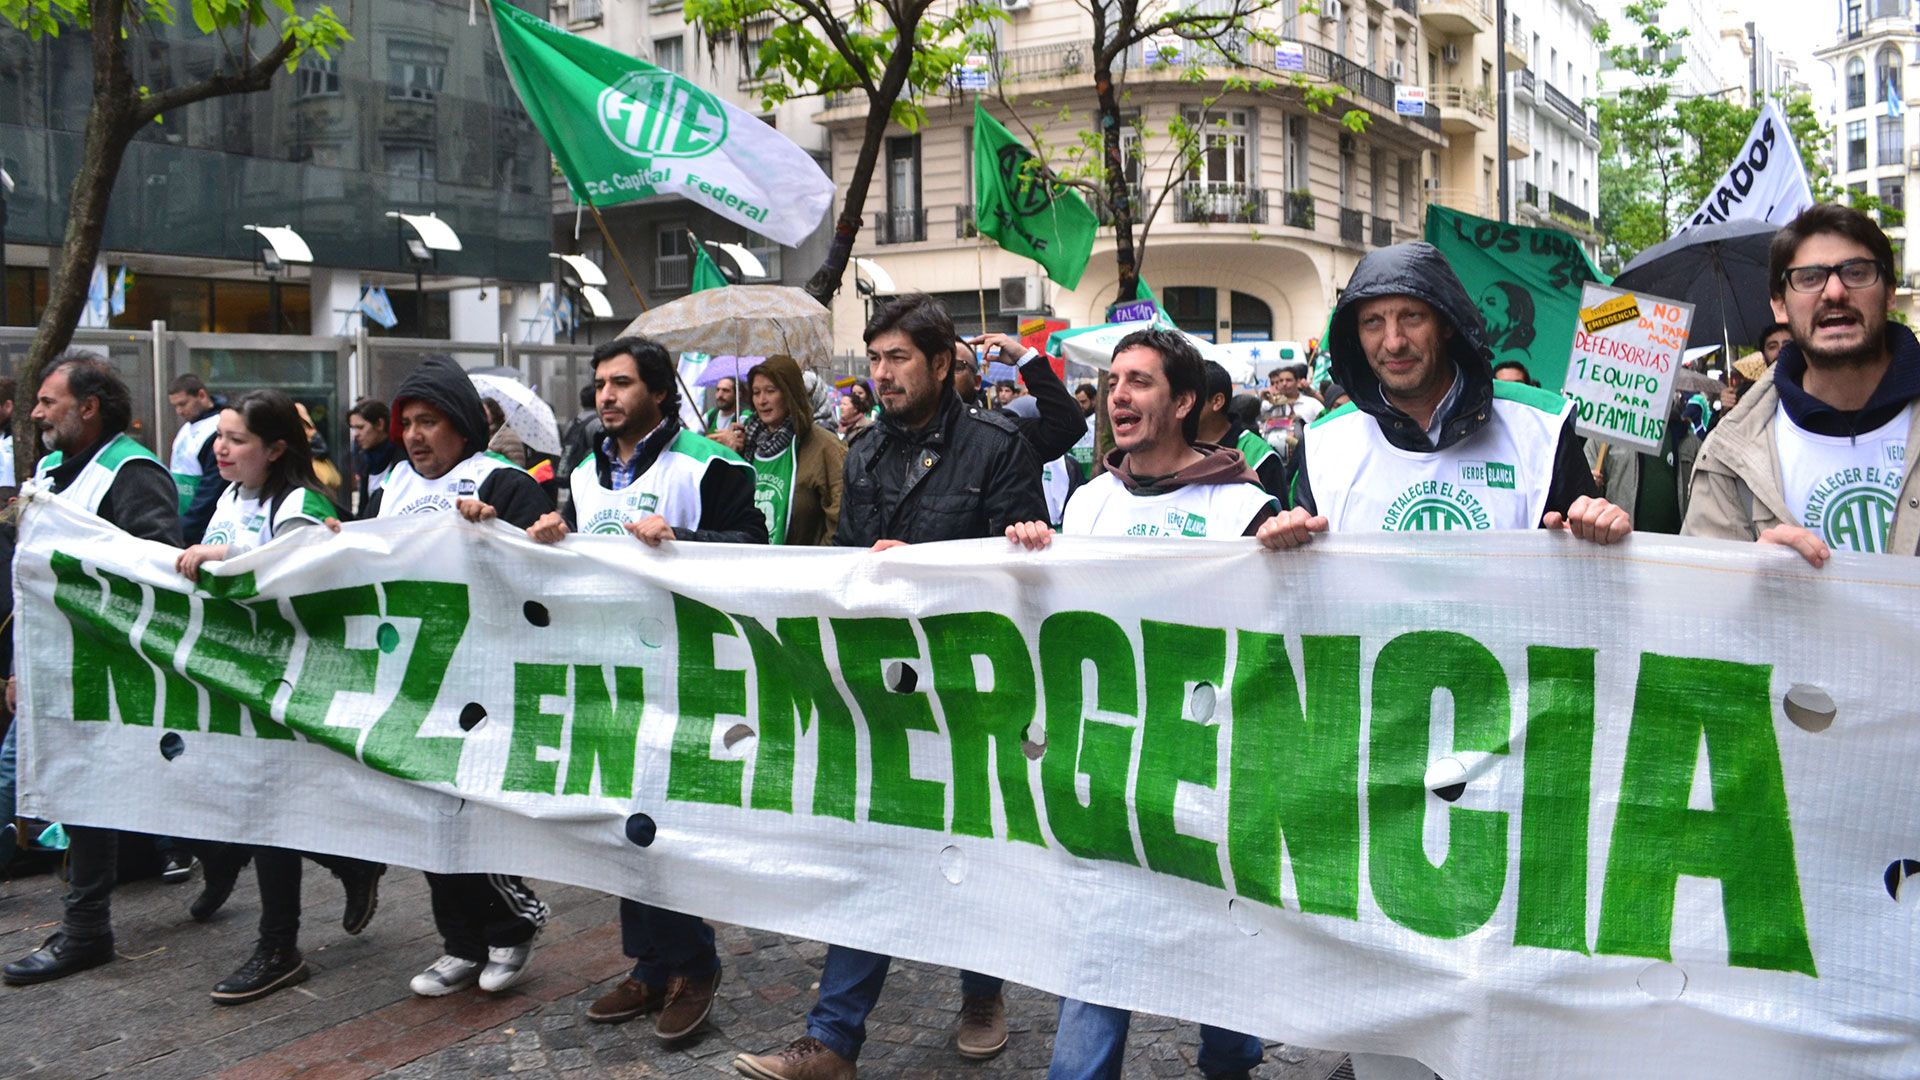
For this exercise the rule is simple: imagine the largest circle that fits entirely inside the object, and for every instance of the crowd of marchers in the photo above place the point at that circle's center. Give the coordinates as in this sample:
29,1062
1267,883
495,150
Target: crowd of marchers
916,454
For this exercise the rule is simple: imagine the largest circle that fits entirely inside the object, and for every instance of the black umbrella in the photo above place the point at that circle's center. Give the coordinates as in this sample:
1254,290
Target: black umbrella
1721,269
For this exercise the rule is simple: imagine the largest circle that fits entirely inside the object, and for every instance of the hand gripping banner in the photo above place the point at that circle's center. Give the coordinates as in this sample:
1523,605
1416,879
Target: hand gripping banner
1506,803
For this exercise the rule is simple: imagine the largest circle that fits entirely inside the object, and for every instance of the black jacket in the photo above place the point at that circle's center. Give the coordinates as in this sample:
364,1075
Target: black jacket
439,382
193,522
1060,424
967,475
142,499
1418,270
727,513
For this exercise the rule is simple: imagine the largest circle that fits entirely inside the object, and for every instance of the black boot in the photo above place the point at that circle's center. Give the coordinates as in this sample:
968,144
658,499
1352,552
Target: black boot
218,875
363,895
59,957
270,968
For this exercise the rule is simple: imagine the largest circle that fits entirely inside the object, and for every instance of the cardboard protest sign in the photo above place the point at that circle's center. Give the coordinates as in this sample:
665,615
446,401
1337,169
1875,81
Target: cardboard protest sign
1626,349
1438,817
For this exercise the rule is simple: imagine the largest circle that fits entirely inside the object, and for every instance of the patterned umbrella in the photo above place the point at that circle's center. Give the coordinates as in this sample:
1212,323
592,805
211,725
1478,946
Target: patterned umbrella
745,320
529,417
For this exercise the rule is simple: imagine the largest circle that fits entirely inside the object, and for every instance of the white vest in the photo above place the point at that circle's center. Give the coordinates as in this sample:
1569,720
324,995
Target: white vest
1104,507
185,460
670,487
96,476
1056,485
404,491
1496,478
1844,489
242,520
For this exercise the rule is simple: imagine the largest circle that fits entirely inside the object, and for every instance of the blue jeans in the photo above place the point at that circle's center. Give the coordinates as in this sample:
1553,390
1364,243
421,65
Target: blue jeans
9,783
664,944
1092,1043
850,983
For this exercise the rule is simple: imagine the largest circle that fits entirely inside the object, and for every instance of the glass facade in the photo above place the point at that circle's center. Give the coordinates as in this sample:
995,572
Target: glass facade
415,113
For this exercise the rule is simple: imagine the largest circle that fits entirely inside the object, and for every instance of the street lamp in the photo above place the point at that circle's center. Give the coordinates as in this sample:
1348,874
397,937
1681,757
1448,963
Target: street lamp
584,278
430,237
282,246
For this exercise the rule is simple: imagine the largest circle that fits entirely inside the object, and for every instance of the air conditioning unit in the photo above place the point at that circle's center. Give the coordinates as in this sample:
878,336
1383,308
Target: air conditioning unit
1015,5
1020,293
1397,70
1450,53
1331,11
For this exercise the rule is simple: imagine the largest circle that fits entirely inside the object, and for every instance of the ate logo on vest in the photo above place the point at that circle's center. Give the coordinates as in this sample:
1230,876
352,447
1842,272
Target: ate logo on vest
1852,509
613,520
1436,506
1177,523
654,114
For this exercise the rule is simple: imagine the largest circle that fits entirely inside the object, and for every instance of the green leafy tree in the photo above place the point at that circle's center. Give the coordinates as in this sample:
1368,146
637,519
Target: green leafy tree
893,52
1200,42
120,107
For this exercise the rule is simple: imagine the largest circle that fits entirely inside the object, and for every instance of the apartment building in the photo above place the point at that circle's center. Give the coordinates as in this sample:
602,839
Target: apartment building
1874,153
1248,244
656,234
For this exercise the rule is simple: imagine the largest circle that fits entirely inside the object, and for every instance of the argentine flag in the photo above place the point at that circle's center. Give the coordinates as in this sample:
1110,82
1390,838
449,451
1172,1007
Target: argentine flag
1895,106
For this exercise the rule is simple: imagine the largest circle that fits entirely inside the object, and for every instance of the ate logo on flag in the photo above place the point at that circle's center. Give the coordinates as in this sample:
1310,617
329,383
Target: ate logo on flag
652,114
1026,191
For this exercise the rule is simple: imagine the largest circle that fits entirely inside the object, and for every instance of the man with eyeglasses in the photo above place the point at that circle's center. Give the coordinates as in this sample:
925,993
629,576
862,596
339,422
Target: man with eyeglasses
1814,456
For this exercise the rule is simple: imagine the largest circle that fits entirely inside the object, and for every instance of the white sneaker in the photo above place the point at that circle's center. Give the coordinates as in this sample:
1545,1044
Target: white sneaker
449,973
505,965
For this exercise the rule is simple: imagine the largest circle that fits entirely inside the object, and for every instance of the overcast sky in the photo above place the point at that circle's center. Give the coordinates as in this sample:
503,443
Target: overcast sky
1795,28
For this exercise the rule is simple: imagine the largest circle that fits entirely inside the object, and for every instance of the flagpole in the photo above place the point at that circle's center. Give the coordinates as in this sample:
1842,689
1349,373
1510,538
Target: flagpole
621,261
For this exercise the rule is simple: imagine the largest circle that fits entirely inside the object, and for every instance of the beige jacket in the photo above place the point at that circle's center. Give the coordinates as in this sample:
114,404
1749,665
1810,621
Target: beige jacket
1736,492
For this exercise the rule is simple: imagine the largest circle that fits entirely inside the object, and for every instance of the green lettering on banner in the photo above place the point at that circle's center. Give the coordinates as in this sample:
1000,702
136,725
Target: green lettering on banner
240,656
394,744
160,642
534,728
790,671
1552,912
107,673
330,666
896,796
605,729
1458,896
1076,745
1177,747
706,694
1296,773
1745,841
977,717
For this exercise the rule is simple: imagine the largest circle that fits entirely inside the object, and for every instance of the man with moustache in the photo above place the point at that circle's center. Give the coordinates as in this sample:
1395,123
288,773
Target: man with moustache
1814,455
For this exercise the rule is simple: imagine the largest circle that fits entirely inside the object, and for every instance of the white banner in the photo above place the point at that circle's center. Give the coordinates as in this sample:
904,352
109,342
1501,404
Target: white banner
1626,354
1513,805
1766,182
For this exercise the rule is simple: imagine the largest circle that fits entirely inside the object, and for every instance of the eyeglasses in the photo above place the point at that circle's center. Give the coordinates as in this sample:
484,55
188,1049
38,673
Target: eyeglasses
1854,274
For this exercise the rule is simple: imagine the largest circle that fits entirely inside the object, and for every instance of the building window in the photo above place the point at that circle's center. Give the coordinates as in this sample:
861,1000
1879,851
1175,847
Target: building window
317,78
1893,194
1890,135
1194,309
415,71
1886,73
1226,160
411,170
1856,83
669,54
1297,177
673,257
1853,20
903,221
1376,182
752,36
1409,181
1856,144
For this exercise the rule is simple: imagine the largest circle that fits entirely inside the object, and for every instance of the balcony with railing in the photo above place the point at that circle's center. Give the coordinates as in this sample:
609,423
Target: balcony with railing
1524,85
1454,17
1299,210
964,225
1569,211
1411,7
1353,226
900,226
1519,134
1463,109
1517,57
1529,193
1565,106
1200,201
1137,197
1382,232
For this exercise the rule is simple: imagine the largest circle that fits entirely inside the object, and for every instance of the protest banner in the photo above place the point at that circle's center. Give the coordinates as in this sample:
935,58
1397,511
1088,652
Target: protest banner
1620,374
1371,795
1767,180
1525,281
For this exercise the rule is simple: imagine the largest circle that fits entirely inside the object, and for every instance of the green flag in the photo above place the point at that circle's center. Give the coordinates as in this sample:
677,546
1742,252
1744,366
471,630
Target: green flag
621,129
706,275
1526,282
1026,215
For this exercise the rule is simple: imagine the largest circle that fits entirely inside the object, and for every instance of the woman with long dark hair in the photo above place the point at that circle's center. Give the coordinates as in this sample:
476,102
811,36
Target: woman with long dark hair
262,449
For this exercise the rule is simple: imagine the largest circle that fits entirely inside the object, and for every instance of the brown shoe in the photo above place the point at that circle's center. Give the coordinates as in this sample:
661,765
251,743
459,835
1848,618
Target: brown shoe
688,1003
805,1058
983,1026
624,1002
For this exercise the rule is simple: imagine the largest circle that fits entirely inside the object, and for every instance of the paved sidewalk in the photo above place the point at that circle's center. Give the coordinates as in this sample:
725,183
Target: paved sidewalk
147,1015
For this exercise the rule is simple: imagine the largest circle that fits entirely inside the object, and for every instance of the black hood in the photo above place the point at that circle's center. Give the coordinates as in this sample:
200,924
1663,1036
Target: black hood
1418,270
441,383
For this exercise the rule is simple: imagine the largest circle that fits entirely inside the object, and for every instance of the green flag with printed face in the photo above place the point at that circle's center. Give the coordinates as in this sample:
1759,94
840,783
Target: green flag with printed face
621,129
1020,210
1526,282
